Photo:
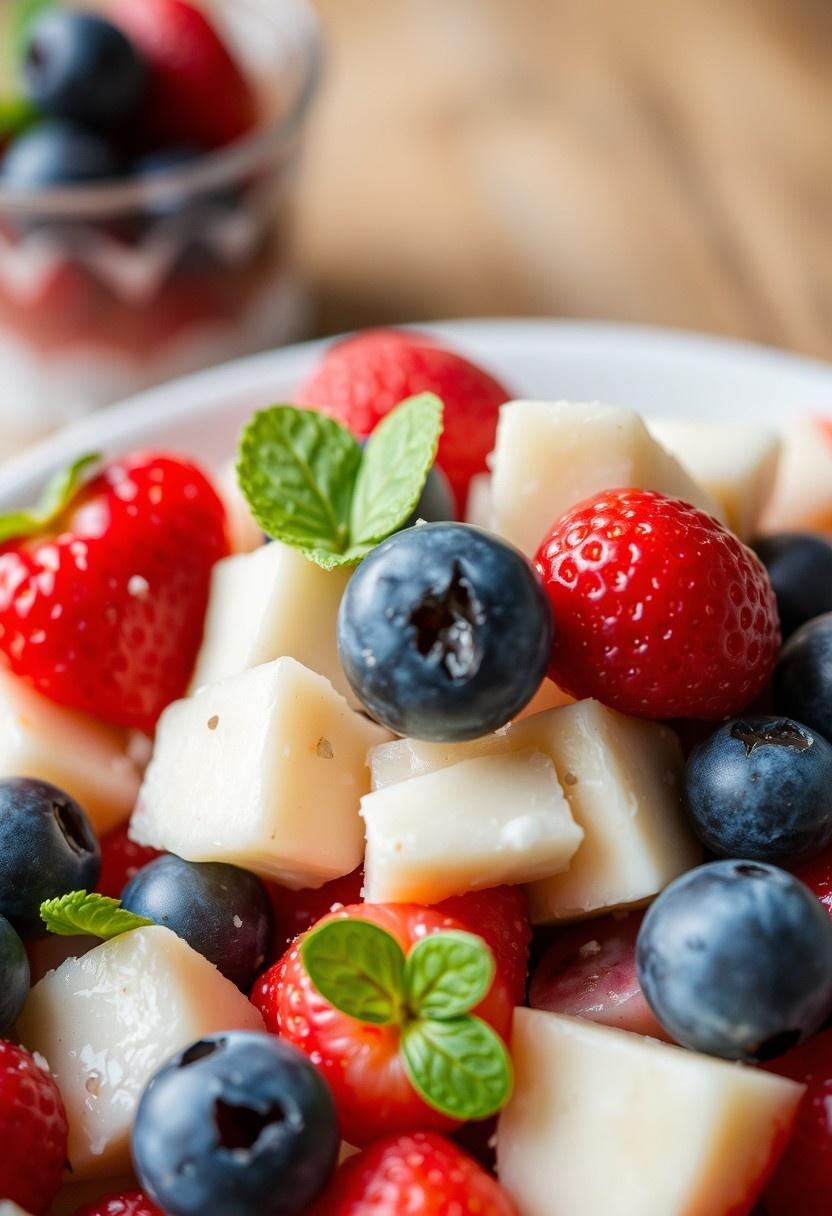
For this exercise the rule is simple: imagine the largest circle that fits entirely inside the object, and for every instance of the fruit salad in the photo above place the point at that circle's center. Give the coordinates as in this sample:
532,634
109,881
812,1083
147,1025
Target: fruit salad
433,818
145,151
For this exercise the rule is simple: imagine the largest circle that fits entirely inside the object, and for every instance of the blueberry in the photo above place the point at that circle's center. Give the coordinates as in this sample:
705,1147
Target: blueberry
761,787
444,632
56,153
222,911
79,66
47,848
803,677
735,959
14,977
800,568
237,1124
436,503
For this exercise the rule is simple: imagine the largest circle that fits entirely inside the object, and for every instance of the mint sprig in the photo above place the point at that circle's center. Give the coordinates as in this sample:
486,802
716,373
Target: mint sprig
454,1060
308,483
87,912
57,494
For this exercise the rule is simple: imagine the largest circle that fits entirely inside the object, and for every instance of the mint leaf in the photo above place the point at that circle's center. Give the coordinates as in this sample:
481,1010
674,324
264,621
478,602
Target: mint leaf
358,968
460,1067
90,913
333,561
297,469
394,467
447,974
58,493
16,114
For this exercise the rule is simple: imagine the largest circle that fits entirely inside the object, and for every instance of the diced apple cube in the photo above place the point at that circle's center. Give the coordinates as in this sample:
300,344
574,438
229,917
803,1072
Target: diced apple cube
83,757
400,759
267,604
802,495
735,463
106,1022
551,455
477,824
265,770
244,532
478,508
605,1121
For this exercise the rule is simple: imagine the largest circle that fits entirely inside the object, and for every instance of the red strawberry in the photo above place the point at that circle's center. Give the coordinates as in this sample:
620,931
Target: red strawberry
362,1062
121,858
802,1183
817,874
33,1131
361,379
129,1203
589,971
659,610
500,915
415,1174
103,609
297,911
198,94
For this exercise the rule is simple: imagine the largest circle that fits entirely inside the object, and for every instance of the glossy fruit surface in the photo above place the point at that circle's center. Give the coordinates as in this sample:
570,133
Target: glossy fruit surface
121,859
33,1131
802,1183
500,915
14,977
817,875
803,678
296,911
799,565
127,1203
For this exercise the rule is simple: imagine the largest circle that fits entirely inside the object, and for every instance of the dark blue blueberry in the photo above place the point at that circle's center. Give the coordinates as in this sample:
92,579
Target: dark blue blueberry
444,632
761,787
14,977
222,911
47,848
78,66
803,677
735,960
57,153
436,503
800,568
238,1124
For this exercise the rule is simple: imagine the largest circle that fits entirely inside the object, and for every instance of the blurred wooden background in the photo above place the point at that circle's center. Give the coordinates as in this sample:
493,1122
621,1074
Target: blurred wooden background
664,161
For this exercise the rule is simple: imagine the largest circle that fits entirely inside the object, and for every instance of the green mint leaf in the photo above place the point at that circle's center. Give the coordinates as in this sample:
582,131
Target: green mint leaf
16,114
333,561
58,493
394,467
447,974
460,1067
297,470
358,968
82,912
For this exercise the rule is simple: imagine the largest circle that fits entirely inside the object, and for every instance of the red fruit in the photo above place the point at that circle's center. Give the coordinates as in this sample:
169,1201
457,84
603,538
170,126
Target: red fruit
104,610
360,1061
129,1203
589,971
197,94
659,610
416,1174
817,874
500,915
297,911
361,379
33,1131
802,1182
121,859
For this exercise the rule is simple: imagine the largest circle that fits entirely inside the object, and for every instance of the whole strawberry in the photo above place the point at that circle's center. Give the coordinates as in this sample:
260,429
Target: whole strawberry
415,1174
361,379
501,917
102,603
33,1131
659,610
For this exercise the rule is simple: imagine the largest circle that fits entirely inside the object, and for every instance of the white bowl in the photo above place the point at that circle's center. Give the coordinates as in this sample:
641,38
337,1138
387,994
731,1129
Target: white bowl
658,372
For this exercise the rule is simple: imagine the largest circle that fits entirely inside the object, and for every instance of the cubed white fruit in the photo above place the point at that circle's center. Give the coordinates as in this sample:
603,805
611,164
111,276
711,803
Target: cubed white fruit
551,455
802,495
735,463
477,824
267,604
106,1022
603,1120
265,770
7,1208
621,777
478,507
83,757
244,532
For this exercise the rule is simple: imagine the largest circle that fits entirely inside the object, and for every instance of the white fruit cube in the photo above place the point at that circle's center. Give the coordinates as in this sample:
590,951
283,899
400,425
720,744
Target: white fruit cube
477,824
106,1022
735,463
802,495
267,604
244,533
551,455
265,770
605,1121
83,757
7,1208
478,506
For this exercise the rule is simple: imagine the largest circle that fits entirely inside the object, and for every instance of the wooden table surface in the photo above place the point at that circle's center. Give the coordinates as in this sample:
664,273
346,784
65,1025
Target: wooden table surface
662,161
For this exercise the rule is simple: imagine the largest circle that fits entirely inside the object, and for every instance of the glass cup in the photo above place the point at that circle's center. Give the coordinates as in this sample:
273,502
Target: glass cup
108,289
